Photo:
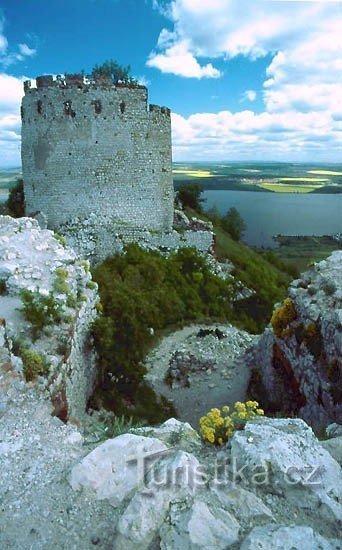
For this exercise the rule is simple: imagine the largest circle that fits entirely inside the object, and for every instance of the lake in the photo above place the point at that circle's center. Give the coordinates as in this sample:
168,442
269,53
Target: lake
268,214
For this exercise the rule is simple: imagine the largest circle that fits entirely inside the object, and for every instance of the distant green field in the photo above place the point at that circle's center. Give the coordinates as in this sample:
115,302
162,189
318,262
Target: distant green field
271,177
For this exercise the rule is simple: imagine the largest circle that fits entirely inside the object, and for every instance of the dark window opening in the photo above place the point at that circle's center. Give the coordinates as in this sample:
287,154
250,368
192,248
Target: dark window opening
22,112
39,106
67,109
97,106
122,107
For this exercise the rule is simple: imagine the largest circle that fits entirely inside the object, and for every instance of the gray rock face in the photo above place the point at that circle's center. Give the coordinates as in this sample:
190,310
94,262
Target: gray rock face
112,469
283,455
334,447
301,357
280,537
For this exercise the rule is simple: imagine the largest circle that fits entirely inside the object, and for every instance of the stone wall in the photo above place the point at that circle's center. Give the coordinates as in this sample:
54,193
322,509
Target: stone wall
96,239
30,259
95,148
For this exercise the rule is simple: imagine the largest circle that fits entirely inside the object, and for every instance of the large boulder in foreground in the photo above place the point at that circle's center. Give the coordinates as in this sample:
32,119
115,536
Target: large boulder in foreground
300,355
272,484
283,455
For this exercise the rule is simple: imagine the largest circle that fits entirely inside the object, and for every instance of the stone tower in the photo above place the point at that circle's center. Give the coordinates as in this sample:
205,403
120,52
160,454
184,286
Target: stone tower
94,149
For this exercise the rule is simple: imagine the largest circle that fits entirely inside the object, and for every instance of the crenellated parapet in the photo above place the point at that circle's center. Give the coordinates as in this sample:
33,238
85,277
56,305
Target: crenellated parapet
76,81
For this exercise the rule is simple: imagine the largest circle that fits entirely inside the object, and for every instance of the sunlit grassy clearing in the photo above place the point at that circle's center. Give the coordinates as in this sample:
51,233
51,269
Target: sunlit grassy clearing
318,180
194,173
286,188
325,172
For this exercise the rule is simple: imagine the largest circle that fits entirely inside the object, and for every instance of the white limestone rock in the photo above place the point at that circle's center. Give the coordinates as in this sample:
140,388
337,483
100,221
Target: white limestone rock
176,476
203,526
334,430
296,465
243,504
174,433
281,537
334,447
111,470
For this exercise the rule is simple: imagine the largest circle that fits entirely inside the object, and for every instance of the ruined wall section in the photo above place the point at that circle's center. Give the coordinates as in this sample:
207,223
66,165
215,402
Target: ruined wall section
96,149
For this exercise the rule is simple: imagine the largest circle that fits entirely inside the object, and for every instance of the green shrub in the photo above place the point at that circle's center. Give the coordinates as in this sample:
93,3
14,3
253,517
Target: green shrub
105,425
256,271
233,223
3,288
143,289
62,273
61,240
34,364
16,200
91,285
41,310
61,286
189,195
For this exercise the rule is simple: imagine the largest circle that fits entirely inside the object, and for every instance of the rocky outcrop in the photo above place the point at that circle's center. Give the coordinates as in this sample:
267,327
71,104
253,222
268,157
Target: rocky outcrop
46,341
299,356
274,486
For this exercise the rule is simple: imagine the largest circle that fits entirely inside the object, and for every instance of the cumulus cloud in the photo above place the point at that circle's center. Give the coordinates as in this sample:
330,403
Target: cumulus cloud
178,60
247,135
11,92
304,40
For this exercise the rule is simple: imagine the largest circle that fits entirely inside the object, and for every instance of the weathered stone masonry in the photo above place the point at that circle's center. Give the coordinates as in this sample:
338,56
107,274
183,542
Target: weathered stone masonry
97,166
96,148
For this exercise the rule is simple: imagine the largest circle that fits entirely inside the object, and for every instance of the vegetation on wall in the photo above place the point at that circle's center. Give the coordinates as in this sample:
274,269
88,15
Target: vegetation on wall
143,292
117,73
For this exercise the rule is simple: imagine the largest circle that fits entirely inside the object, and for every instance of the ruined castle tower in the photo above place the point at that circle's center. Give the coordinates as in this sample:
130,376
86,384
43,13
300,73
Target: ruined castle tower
96,149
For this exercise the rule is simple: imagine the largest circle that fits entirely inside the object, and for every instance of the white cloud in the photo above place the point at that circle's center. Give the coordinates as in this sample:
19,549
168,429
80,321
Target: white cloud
179,61
25,50
305,41
249,95
246,135
11,92
8,56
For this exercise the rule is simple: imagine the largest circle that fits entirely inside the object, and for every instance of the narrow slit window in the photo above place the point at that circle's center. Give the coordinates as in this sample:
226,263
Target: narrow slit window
97,106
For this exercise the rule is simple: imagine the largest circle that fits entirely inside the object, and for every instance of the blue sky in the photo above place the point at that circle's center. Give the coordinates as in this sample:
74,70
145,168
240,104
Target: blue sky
245,80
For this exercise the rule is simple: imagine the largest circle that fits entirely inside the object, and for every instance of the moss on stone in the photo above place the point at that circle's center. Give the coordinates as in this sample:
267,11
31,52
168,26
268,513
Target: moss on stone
283,317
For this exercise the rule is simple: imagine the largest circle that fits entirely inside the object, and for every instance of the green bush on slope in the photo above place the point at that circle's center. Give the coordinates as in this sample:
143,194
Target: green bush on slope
141,291
255,271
